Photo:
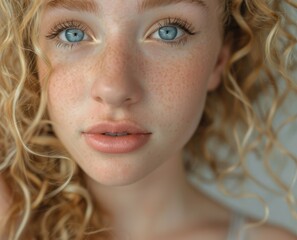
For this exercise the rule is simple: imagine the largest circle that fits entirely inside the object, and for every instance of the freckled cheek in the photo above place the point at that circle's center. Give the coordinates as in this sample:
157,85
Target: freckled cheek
179,81
66,89
178,89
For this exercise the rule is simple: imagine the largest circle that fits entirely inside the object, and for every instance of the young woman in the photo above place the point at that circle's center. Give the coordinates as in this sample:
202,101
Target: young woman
108,106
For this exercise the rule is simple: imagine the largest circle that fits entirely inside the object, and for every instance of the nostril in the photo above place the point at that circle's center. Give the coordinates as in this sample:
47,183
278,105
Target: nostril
98,99
128,100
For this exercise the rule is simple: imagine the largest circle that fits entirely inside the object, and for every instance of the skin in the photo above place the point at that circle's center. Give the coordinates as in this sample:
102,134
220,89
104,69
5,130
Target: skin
166,85
120,72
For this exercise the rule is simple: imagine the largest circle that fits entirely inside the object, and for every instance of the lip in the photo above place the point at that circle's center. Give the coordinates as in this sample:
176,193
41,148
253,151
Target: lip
131,137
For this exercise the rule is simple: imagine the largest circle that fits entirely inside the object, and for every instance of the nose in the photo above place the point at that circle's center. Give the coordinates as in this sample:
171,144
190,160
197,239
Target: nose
116,82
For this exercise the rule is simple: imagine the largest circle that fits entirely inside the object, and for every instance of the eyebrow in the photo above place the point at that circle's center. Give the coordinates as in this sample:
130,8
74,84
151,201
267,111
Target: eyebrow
149,4
78,5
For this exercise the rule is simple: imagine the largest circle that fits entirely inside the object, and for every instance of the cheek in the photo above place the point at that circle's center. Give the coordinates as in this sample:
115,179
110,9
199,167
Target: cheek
67,81
179,88
66,89
180,83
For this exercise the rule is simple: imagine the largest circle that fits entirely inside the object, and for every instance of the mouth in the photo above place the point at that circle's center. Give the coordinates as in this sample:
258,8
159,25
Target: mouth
116,137
116,129
116,134
121,134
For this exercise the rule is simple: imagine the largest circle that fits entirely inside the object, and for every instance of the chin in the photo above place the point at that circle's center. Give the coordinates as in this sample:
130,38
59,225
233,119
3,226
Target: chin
116,176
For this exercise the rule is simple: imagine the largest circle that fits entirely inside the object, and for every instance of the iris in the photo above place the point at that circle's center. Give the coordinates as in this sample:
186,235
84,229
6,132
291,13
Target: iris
168,33
74,35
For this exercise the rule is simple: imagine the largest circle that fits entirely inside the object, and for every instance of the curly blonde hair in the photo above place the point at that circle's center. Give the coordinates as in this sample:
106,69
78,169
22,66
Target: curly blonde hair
49,194
257,83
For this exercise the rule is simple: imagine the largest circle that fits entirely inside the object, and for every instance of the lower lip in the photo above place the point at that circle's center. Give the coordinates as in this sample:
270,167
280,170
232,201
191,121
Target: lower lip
116,145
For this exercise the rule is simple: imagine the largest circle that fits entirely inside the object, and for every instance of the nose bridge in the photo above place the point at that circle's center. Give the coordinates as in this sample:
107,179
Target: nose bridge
116,57
115,81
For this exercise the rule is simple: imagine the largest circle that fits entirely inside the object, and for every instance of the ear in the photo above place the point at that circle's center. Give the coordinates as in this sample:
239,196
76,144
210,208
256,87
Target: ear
216,76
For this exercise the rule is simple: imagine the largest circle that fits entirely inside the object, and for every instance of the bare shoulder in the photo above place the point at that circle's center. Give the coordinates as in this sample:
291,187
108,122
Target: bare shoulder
272,232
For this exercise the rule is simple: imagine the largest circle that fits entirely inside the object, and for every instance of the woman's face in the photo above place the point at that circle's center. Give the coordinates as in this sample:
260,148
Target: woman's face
129,79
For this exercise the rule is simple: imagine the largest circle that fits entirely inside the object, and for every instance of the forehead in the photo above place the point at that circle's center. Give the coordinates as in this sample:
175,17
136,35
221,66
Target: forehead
94,6
87,5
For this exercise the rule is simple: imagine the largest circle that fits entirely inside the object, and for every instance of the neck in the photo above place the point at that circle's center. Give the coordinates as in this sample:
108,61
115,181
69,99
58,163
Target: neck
150,204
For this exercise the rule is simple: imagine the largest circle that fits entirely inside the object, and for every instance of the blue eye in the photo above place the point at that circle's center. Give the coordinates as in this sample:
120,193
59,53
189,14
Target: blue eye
173,31
168,33
72,35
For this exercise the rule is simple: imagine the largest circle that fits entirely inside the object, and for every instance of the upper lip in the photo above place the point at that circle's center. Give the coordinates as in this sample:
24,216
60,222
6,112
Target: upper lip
116,127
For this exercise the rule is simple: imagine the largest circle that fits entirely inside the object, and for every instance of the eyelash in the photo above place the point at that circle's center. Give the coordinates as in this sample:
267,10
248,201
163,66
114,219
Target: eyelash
182,24
175,22
60,27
